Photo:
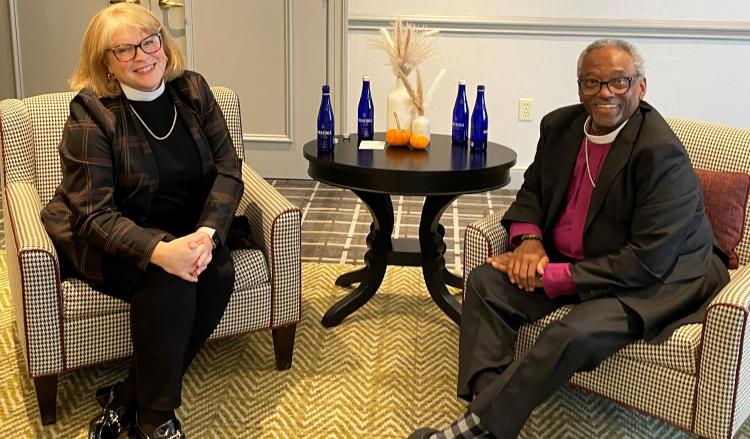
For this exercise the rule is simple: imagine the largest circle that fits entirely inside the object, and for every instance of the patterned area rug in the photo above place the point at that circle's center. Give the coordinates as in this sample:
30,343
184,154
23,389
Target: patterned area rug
388,369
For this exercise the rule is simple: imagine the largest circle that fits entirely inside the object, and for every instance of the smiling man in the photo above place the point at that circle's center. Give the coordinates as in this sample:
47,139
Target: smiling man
610,217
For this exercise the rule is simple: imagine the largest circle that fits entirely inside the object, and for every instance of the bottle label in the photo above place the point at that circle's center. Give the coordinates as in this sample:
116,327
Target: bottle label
459,134
325,141
365,128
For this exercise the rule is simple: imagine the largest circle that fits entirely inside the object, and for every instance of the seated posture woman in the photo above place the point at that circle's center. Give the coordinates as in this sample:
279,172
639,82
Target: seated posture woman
150,185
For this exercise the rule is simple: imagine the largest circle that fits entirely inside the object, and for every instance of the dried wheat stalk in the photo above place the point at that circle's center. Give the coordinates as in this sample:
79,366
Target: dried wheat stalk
407,46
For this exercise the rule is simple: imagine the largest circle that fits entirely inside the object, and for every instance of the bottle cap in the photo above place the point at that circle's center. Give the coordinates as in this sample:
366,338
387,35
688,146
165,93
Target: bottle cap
326,88
366,78
480,88
461,82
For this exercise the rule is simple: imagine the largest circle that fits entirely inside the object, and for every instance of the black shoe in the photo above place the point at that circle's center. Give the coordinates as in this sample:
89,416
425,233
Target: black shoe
103,394
112,420
422,433
168,430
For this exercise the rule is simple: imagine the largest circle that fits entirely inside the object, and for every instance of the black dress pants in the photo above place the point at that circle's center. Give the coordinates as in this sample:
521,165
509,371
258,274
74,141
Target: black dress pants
505,391
170,319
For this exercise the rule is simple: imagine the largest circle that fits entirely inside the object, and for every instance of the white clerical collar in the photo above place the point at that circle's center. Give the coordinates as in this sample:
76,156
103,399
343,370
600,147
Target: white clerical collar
607,138
138,95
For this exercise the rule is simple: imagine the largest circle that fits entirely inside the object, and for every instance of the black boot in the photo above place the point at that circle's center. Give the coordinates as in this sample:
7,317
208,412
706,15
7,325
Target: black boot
112,420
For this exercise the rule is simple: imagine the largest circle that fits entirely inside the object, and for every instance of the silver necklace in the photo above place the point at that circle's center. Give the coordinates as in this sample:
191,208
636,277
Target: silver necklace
588,168
174,122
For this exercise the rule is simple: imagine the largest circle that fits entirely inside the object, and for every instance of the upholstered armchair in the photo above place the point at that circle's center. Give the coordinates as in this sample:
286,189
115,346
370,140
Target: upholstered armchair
699,379
64,324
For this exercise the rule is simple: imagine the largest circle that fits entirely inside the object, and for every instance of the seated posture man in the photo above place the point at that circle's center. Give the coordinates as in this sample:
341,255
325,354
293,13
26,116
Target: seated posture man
610,217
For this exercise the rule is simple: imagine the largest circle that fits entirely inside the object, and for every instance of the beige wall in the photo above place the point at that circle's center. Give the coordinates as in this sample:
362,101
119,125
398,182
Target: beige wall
696,55
50,33
272,53
7,77
50,37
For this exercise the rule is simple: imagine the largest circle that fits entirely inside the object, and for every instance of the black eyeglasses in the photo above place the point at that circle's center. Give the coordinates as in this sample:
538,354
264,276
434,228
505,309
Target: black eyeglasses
126,52
618,86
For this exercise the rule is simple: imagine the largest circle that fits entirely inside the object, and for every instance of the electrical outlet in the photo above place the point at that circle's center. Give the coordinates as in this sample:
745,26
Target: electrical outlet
525,108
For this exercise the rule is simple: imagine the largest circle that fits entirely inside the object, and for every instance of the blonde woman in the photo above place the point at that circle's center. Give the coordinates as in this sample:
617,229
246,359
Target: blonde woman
150,185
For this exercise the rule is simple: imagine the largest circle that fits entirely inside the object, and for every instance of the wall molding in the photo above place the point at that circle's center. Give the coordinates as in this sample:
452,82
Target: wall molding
288,136
15,39
630,28
338,35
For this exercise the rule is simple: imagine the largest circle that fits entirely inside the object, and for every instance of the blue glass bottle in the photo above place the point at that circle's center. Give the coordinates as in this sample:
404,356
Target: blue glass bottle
365,112
460,134
479,122
325,122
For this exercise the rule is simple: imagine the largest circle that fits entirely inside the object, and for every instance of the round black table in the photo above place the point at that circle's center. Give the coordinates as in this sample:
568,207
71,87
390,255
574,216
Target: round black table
440,173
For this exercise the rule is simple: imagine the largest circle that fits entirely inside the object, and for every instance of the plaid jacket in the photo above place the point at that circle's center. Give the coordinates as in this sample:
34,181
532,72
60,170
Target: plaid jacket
110,176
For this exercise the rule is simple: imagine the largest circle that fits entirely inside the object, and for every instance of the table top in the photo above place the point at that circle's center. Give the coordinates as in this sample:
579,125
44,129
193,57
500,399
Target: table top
442,169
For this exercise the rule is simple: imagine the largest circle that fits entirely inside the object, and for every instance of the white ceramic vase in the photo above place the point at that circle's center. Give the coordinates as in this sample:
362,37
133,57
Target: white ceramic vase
420,126
399,104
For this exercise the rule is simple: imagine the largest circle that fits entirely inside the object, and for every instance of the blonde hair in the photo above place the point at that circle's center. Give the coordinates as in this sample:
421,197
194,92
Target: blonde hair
97,40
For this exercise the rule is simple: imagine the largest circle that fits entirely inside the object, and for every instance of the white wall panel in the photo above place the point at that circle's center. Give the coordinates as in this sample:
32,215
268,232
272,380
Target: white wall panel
694,69
730,10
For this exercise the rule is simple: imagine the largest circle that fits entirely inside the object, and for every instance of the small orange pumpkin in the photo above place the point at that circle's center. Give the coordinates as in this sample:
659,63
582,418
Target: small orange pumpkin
397,137
419,141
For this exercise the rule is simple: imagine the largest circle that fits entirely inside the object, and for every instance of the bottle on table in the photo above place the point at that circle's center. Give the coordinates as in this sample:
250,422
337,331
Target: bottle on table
460,133
479,122
325,122
365,112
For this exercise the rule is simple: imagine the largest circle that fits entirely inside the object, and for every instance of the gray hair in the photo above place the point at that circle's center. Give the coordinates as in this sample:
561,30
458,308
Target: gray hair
640,67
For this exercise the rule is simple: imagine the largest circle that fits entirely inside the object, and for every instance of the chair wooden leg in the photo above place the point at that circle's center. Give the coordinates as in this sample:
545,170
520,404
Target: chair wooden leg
283,346
46,396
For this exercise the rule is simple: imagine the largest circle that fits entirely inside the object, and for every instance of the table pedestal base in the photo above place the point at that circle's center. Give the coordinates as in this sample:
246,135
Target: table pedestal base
428,252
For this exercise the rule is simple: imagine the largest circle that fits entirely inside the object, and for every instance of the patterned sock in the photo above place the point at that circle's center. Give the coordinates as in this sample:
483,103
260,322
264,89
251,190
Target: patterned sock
465,427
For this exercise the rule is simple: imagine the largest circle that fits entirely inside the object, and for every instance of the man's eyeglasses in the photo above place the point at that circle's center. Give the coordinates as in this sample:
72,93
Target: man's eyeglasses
126,52
618,86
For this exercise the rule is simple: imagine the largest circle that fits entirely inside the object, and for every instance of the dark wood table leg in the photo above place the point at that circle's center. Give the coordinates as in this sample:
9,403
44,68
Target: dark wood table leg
450,278
433,255
376,259
352,277
453,280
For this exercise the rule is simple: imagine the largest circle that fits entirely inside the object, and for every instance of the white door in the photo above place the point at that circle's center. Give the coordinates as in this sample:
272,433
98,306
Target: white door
273,54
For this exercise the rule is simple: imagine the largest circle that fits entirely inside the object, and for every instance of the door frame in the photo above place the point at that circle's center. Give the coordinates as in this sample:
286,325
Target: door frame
16,48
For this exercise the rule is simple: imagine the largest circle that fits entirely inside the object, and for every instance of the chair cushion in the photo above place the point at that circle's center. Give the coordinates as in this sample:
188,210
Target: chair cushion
725,195
81,301
679,352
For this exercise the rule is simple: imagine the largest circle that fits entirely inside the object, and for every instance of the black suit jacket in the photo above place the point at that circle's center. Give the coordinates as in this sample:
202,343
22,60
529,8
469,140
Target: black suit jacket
110,176
646,239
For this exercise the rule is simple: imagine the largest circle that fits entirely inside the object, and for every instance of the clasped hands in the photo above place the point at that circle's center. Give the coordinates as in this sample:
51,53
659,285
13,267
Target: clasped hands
185,257
524,265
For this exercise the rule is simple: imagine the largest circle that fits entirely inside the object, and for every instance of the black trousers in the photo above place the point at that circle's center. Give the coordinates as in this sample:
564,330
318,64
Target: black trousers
170,319
504,391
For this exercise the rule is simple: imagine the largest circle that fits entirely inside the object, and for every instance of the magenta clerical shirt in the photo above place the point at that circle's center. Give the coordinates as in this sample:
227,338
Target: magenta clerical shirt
567,232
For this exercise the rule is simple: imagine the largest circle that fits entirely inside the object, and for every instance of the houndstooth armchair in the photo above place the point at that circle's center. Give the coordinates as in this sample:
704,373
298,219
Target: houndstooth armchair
697,379
64,324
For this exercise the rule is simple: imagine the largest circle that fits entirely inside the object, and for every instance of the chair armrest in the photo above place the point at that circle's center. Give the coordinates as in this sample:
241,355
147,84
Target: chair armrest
482,239
724,363
34,276
276,225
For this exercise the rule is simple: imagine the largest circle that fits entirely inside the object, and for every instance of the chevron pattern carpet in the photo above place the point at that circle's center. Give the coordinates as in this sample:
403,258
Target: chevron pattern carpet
388,369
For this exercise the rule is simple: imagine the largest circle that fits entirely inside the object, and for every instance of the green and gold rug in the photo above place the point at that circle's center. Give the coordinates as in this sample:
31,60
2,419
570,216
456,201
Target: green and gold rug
388,369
